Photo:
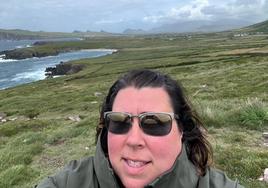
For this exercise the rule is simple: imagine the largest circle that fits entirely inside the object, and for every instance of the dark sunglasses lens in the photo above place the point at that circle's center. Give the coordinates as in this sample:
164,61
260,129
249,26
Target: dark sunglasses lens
156,124
118,123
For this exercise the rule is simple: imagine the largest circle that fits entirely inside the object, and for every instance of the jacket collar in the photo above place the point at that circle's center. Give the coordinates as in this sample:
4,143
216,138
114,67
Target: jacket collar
182,174
105,174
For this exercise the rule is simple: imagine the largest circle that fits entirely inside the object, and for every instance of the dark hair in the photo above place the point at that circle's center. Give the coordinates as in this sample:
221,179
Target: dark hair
198,148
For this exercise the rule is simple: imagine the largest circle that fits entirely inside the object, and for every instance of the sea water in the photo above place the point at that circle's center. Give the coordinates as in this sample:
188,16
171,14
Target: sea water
16,72
12,44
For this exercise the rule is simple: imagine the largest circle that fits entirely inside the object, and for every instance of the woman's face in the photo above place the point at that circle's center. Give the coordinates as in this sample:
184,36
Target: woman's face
136,157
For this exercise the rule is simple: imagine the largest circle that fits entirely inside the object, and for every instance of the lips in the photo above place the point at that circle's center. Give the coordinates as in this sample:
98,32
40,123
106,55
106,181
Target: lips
135,167
135,164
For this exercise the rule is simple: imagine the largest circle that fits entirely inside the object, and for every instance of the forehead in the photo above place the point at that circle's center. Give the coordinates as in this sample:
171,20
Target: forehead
145,99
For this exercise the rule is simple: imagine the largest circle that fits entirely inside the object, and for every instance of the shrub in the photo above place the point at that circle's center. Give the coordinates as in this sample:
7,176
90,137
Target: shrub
253,114
31,113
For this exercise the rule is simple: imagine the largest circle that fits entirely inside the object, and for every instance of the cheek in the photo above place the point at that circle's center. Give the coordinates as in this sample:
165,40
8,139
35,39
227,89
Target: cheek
114,145
168,147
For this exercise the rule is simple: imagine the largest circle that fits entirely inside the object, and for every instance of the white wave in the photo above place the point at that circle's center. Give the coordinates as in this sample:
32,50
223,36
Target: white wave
36,75
32,69
2,60
6,60
57,76
23,46
4,80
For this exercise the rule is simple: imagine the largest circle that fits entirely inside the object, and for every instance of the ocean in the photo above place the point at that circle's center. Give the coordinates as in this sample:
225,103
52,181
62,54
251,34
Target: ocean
17,72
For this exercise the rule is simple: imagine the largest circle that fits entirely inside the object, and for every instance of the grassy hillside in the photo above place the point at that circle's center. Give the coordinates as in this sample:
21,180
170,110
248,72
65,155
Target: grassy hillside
225,77
261,27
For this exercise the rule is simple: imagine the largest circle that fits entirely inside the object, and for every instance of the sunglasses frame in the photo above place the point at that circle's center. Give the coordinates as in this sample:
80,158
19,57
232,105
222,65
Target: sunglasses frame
139,116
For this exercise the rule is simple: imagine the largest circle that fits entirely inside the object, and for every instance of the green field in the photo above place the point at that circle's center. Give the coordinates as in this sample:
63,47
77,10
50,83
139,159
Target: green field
225,77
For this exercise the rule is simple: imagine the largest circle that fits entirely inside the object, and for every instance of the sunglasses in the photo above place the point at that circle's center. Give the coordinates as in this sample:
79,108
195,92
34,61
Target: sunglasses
151,123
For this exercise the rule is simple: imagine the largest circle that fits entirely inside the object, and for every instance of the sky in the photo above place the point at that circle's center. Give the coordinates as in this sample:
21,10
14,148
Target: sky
118,15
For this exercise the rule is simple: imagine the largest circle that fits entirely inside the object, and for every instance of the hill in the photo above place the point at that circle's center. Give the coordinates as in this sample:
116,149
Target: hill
205,26
47,123
261,27
200,26
134,32
18,34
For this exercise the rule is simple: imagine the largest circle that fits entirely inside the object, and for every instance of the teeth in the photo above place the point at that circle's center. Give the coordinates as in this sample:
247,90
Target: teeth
135,164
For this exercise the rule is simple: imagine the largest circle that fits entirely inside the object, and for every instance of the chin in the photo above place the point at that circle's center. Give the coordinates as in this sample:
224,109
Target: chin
134,183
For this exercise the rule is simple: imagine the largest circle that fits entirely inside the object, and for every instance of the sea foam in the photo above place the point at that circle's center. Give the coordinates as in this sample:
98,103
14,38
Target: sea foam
2,60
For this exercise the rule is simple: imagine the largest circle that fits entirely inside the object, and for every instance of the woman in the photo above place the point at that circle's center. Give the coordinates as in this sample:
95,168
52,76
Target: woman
148,136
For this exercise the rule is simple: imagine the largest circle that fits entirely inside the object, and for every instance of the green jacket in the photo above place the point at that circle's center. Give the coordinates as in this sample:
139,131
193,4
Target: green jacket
95,172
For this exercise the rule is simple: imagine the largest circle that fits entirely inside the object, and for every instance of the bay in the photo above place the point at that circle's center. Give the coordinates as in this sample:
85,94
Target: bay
17,72
12,44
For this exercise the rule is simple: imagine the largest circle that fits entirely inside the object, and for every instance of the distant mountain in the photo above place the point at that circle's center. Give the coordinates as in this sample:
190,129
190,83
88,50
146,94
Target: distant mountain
261,27
134,31
18,34
10,34
200,26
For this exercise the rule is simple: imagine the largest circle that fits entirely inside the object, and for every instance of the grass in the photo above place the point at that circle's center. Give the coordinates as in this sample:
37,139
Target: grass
250,113
243,164
225,78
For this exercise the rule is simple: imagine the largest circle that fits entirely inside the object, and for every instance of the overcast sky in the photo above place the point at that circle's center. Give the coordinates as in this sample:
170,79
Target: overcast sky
117,15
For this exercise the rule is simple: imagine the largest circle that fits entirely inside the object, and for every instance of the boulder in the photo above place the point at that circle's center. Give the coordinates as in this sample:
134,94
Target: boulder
3,117
97,94
265,138
74,118
265,176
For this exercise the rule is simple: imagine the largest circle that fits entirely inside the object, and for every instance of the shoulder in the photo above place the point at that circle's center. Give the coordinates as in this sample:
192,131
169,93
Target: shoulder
78,173
217,179
79,165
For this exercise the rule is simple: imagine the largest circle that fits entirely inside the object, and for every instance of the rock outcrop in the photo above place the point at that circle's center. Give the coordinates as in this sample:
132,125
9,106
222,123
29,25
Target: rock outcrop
63,69
26,53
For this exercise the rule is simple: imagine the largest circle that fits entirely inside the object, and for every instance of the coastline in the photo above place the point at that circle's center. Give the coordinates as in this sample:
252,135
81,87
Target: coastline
65,68
17,72
29,52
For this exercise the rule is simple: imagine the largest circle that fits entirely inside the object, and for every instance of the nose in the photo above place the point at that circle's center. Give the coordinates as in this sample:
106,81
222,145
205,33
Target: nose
135,136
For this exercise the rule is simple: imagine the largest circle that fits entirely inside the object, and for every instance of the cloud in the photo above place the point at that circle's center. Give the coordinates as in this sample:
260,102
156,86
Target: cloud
191,11
239,9
117,15
213,10
108,21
